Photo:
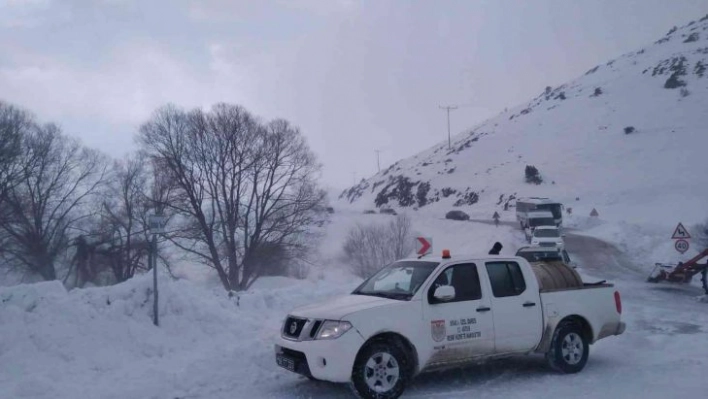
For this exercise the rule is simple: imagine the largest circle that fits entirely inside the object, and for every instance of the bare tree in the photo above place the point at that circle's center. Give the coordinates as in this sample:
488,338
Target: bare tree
59,176
117,245
14,124
284,200
370,247
241,189
124,210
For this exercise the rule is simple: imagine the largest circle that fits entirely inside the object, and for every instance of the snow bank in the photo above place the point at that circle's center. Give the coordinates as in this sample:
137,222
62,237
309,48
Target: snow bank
644,244
100,342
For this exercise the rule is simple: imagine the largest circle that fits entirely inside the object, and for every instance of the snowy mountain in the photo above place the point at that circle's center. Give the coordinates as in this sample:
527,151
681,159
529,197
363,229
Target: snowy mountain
628,138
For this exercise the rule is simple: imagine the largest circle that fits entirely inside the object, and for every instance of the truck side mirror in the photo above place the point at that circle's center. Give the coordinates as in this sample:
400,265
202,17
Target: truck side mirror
444,293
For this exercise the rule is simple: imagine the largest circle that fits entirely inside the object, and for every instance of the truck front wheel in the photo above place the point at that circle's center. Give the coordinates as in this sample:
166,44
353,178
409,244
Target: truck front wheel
381,371
569,349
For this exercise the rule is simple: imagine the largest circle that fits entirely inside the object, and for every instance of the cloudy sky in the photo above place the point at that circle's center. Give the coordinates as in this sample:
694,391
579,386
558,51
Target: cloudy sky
356,76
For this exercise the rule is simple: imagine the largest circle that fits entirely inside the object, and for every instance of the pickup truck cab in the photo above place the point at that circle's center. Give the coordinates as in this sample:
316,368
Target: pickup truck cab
418,315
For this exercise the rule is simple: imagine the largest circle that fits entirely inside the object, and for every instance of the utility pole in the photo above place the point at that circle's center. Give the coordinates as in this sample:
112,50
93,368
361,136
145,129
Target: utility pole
448,108
378,160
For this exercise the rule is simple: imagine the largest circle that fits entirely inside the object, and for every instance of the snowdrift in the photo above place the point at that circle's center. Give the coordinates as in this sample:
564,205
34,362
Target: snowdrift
100,342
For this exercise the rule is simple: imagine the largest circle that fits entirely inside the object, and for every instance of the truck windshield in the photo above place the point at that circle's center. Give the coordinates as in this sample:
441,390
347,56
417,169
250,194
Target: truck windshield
555,209
546,233
542,222
399,280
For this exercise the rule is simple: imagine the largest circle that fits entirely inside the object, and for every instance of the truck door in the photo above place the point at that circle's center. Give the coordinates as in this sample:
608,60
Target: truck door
518,318
463,327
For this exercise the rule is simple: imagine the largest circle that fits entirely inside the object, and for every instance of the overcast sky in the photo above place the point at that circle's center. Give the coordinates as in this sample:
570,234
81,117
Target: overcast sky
355,76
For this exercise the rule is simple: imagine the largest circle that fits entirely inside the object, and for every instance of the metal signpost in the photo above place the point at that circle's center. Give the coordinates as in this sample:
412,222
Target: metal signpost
156,225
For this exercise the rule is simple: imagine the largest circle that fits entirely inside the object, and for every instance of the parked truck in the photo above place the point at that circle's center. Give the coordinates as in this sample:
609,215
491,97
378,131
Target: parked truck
527,205
419,315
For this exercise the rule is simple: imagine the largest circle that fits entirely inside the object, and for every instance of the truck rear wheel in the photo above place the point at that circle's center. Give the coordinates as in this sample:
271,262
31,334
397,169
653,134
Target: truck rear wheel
704,277
569,349
381,371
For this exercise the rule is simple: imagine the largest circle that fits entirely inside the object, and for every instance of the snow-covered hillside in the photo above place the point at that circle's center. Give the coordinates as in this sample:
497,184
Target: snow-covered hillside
629,138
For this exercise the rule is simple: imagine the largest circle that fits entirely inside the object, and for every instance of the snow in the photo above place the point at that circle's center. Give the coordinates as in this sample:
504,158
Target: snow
654,175
101,343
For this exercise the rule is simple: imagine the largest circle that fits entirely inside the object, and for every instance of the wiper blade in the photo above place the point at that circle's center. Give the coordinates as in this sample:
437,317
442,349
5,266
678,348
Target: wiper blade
387,295
401,296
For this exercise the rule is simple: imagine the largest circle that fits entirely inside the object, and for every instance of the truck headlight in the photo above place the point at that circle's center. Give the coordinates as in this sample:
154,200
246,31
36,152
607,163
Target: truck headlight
332,329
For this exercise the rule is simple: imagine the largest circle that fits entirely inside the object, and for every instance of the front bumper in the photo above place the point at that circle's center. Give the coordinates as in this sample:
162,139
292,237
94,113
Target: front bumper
328,360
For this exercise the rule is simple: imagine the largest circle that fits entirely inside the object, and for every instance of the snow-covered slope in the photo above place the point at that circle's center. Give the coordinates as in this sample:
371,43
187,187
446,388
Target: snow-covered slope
575,135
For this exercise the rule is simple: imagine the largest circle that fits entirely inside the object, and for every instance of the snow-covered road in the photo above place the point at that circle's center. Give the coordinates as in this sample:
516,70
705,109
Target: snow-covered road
100,342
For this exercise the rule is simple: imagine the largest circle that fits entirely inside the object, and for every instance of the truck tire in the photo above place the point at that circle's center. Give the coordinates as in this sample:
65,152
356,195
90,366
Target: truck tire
704,277
569,348
381,371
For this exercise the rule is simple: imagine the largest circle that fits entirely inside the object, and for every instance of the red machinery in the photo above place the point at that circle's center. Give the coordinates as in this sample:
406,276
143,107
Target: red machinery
682,272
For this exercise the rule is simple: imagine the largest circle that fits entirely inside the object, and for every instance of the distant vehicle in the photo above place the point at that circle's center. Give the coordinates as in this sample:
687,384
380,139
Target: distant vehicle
457,215
531,204
419,315
388,211
547,236
537,219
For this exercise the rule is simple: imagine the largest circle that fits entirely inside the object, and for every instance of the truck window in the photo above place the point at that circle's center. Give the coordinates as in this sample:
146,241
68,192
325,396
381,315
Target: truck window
555,209
546,233
506,279
464,278
399,280
535,222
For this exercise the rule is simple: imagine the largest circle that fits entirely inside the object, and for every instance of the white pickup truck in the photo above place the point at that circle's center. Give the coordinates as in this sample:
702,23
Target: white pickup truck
417,315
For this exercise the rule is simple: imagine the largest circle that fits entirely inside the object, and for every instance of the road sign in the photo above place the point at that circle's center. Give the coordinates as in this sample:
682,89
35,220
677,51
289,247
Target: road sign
680,233
681,245
594,213
495,216
156,224
423,245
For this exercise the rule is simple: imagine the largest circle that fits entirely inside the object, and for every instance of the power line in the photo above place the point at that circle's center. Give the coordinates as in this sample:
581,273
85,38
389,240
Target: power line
448,108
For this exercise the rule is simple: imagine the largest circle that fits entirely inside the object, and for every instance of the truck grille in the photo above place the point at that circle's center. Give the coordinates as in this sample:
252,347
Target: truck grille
293,327
547,244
